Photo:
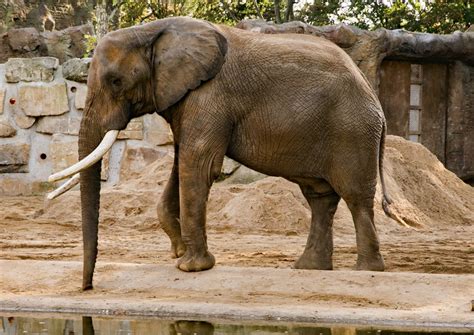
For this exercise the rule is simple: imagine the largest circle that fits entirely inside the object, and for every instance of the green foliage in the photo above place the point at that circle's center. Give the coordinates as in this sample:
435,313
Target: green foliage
214,11
217,11
231,11
446,17
320,13
91,42
9,13
377,14
433,16
135,12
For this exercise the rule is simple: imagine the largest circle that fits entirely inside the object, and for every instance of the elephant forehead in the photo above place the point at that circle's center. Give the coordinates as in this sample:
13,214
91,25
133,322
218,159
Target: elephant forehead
118,60
109,53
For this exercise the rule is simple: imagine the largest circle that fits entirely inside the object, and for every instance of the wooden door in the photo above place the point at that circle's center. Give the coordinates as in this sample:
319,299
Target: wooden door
414,100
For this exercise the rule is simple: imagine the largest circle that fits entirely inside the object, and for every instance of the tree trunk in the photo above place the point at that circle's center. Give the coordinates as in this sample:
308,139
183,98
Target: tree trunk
228,10
257,9
102,24
289,15
277,12
113,14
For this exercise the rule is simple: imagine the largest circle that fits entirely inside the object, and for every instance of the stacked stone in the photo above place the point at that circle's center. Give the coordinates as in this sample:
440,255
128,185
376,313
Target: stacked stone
41,106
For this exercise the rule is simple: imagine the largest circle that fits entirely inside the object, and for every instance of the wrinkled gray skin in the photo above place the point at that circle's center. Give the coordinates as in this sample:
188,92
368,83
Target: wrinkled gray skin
286,105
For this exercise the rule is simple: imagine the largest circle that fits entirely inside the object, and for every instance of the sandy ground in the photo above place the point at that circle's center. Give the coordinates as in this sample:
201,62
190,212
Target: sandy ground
253,228
390,299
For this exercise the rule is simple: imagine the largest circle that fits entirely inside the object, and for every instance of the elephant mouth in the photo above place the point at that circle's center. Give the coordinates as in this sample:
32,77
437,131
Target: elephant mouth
89,160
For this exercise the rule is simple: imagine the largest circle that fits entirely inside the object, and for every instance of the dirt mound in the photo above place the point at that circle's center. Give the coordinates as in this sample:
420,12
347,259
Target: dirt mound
424,193
261,224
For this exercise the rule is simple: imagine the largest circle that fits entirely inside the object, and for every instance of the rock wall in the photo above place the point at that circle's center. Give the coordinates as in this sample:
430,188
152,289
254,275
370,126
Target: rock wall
29,42
369,48
44,14
41,104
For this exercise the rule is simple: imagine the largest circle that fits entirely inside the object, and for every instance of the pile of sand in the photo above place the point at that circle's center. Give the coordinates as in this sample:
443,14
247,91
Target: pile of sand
424,193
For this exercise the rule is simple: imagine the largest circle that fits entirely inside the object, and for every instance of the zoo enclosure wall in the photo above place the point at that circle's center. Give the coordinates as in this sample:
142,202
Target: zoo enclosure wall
425,84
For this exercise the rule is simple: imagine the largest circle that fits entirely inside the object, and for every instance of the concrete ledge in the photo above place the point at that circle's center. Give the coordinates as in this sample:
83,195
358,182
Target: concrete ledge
236,293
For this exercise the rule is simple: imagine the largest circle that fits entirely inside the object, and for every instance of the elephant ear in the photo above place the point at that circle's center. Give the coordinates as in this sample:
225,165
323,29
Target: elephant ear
185,54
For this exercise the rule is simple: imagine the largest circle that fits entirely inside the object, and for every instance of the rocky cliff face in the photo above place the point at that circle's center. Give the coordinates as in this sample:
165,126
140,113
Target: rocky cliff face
29,42
43,15
369,48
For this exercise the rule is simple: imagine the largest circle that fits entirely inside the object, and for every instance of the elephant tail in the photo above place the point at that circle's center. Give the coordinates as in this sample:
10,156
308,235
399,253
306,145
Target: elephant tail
386,200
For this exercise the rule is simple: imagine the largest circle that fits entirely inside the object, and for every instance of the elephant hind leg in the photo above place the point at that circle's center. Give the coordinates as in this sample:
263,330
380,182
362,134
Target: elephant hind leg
368,248
323,201
354,177
168,212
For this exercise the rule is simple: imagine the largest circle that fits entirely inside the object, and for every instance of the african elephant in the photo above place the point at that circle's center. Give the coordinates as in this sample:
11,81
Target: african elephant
292,106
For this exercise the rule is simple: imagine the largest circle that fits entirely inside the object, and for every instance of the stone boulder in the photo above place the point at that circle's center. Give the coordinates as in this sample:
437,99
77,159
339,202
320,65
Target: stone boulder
31,69
229,166
24,39
14,157
134,130
68,43
137,159
42,100
63,151
63,124
6,130
76,69
157,130
21,120
28,42
80,95
21,42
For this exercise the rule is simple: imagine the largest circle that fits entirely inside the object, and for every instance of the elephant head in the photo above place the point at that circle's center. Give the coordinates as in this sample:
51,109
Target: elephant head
134,71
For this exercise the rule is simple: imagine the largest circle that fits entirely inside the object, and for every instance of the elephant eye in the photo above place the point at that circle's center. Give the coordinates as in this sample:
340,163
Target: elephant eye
117,82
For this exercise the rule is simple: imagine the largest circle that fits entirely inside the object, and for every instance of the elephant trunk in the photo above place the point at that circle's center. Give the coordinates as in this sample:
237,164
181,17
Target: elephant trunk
90,135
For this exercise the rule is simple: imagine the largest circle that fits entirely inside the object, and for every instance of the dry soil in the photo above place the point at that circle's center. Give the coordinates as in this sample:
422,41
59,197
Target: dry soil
263,224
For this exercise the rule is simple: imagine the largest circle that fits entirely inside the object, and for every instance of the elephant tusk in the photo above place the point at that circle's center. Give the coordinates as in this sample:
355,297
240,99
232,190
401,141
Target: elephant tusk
64,187
90,160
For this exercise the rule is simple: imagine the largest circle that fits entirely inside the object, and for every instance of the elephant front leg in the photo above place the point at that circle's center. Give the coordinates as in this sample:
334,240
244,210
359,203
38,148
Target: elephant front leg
168,212
196,175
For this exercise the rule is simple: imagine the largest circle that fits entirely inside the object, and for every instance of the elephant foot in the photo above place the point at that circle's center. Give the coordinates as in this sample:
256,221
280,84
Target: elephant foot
87,279
196,262
87,286
311,262
373,263
178,249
